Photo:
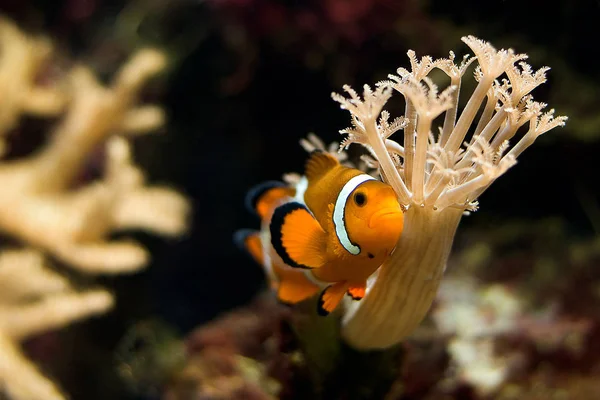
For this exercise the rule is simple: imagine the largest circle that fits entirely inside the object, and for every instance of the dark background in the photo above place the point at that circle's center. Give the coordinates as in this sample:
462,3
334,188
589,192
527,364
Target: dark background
249,78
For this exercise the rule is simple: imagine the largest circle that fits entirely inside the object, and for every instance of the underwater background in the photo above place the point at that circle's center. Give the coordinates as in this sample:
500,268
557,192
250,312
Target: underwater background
246,80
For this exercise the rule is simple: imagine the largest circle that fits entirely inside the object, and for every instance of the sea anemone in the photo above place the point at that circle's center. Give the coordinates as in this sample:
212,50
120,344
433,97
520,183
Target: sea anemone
437,177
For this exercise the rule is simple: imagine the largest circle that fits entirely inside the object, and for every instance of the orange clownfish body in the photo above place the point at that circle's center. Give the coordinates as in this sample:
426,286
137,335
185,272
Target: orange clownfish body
336,233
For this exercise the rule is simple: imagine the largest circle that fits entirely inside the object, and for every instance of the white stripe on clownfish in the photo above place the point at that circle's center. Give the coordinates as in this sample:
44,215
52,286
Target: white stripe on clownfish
339,211
301,186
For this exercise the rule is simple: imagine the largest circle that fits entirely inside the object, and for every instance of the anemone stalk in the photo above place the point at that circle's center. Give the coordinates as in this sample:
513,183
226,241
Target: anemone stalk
406,284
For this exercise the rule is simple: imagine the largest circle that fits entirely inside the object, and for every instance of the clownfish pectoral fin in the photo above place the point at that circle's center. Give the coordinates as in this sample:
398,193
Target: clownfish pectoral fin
318,163
265,196
357,292
331,297
297,237
249,240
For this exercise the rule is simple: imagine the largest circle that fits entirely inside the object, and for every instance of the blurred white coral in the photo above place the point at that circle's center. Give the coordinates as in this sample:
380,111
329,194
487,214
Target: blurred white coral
42,206
471,311
22,58
34,299
474,317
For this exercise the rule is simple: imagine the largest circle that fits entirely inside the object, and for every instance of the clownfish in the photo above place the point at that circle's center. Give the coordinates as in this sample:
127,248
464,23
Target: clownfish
334,233
291,284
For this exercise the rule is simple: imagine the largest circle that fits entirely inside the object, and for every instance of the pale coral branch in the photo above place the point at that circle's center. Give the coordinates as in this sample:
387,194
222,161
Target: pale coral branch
142,66
22,321
95,113
20,379
21,60
142,120
114,257
157,209
23,276
71,224
48,208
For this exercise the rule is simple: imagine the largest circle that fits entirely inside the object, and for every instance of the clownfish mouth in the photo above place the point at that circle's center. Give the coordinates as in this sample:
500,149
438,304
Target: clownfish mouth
385,215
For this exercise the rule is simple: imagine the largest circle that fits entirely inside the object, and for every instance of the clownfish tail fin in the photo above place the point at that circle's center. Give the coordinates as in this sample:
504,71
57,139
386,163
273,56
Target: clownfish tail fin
297,237
248,240
318,163
264,197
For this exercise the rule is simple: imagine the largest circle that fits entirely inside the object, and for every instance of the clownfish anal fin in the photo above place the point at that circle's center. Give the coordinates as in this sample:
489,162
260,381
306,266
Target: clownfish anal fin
292,291
330,298
264,196
318,163
249,240
357,292
297,237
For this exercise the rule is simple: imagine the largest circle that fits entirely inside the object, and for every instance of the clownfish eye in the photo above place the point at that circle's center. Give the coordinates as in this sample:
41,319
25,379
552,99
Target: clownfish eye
360,199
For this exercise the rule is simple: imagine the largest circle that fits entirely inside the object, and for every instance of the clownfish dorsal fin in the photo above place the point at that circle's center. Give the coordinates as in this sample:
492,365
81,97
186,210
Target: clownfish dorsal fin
264,197
249,241
318,164
297,237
